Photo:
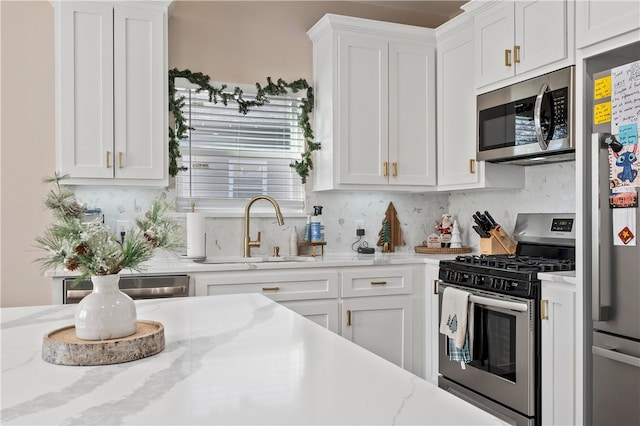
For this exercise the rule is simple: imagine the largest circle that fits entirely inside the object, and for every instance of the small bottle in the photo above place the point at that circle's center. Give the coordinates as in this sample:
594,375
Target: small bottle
293,242
317,227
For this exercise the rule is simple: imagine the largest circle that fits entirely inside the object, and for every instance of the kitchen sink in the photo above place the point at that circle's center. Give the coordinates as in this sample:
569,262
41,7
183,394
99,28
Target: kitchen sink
266,259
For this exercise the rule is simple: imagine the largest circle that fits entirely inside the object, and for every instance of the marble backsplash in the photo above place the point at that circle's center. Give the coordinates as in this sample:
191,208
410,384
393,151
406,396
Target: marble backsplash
549,188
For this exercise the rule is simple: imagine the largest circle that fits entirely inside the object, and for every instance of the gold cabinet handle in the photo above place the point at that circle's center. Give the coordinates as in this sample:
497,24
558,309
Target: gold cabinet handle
270,288
119,159
435,286
348,317
385,168
395,169
516,54
472,166
378,283
507,57
543,309
108,159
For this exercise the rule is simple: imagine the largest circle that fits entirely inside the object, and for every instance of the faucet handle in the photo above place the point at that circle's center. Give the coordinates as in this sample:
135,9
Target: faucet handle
255,243
276,251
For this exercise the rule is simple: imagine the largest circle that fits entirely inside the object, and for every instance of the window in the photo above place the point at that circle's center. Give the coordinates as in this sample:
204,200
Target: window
231,157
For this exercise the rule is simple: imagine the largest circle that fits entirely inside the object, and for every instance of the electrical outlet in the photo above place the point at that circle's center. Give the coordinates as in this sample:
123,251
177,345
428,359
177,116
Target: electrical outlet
122,226
359,224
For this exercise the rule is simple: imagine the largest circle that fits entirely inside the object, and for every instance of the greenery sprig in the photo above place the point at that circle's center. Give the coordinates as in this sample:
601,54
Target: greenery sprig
220,94
90,248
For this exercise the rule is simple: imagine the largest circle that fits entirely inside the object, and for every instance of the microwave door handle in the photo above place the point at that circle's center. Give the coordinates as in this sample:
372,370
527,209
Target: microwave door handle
537,117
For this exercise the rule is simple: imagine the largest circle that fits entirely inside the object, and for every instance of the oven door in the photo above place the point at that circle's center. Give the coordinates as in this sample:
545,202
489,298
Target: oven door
502,341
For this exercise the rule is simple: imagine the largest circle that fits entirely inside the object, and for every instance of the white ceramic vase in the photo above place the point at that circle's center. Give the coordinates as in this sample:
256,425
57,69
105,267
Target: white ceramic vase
107,312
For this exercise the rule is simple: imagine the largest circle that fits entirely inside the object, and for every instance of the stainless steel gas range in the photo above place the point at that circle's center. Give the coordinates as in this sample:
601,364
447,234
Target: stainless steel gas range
503,376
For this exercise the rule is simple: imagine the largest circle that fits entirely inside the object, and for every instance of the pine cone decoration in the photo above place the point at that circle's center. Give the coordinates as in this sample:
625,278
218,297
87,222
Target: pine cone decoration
71,264
83,249
74,209
151,237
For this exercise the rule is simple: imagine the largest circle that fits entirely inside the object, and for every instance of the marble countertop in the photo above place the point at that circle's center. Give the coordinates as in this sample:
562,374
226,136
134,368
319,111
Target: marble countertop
168,263
568,277
238,359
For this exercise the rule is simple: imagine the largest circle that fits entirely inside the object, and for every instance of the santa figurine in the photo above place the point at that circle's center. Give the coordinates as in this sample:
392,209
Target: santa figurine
445,227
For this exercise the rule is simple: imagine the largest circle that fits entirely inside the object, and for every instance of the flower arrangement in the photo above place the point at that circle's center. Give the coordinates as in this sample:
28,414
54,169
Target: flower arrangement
90,248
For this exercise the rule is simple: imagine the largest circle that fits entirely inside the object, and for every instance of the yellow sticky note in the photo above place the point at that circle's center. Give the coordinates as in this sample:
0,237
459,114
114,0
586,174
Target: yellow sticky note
602,88
602,113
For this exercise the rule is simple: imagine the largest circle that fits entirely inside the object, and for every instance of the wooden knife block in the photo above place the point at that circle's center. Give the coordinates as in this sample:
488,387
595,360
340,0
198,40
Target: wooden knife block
497,245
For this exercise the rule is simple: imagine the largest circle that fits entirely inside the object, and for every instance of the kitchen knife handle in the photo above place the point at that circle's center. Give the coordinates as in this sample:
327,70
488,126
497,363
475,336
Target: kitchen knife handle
472,166
385,168
543,309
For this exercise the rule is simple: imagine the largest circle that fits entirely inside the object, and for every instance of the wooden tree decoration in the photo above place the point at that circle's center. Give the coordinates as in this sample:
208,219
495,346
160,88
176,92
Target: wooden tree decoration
390,234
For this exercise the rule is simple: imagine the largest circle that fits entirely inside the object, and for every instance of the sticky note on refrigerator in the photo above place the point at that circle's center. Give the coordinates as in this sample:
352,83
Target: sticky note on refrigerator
602,88
628,134
602,113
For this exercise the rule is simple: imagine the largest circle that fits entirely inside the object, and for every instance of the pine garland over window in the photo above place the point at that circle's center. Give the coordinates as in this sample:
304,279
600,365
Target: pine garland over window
220,94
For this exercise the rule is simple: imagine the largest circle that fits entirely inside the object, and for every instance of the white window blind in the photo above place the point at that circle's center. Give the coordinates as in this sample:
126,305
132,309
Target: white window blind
231,157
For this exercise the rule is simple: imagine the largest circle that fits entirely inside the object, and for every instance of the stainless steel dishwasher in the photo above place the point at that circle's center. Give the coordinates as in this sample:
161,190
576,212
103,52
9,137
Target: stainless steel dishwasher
137,287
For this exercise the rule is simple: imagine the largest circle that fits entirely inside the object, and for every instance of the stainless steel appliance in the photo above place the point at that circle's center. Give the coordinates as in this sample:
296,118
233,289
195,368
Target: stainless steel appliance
612,345
137,287
530,122
503,376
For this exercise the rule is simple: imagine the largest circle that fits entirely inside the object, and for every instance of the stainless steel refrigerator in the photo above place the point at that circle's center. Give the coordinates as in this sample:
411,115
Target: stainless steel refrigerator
613,269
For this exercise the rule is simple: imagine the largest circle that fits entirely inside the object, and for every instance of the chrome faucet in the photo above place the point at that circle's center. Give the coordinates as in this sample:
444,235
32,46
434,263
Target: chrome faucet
247,238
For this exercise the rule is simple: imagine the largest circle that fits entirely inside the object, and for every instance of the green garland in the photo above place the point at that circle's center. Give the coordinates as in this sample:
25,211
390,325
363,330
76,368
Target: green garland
303,167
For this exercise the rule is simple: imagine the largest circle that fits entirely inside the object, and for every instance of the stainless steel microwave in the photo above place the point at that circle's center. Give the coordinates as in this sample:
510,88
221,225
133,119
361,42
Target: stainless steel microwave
530,122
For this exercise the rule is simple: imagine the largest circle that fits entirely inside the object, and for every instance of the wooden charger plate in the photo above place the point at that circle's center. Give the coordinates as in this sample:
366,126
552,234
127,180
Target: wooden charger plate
64,348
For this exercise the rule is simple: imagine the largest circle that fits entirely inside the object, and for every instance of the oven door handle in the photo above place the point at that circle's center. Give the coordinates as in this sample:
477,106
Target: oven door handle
492,302
498,303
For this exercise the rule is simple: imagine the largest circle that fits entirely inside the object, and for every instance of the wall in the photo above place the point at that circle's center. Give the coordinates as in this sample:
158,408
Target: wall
27,145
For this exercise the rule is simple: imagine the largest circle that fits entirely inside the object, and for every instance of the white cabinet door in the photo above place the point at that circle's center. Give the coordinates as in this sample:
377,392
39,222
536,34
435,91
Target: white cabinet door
457,165
514,38
599,20
323,312
139,93
432,322
382,325
542,34
111,93
558,353
84,99
364,109
375,105
494,36
412,126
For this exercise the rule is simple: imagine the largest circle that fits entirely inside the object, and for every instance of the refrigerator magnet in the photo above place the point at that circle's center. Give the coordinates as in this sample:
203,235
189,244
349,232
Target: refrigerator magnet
624,227
623,197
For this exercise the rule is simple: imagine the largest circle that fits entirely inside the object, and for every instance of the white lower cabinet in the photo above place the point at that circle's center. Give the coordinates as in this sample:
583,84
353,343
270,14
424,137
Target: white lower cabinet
558,353
380,308
381,324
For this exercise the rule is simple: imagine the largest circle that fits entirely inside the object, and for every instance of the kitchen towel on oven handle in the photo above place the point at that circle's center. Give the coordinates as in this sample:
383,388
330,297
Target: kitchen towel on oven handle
454,314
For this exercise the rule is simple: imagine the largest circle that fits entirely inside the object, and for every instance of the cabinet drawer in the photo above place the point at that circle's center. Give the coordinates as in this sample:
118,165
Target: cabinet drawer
277,286
377,281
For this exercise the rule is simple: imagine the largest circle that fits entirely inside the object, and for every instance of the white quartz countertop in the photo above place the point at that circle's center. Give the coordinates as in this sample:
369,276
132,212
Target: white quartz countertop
168,263
238,359
568,277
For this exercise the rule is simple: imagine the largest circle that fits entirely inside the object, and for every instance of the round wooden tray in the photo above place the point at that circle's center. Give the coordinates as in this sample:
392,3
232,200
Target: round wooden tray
445,250
63,347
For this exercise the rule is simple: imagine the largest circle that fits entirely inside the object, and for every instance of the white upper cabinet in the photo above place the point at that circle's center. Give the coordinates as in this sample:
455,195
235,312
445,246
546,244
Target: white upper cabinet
457,165
111,101
522,39
599,20
375,105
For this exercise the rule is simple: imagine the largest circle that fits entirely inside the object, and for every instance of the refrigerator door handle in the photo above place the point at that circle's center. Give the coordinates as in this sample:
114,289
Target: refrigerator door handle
599,312
614,355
